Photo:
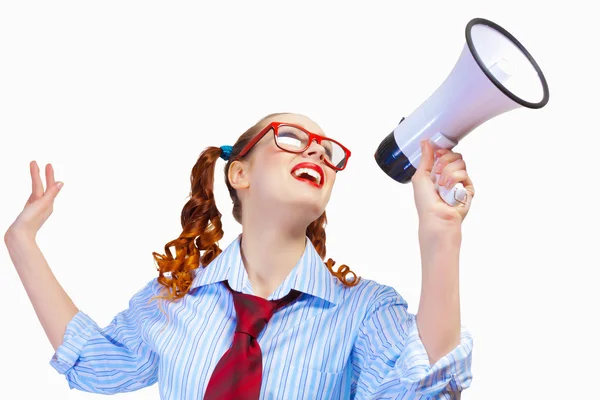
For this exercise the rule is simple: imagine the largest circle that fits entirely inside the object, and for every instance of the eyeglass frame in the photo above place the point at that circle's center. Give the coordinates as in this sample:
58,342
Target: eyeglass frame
311,137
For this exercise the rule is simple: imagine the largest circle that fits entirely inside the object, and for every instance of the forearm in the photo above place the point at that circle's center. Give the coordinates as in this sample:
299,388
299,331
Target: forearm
438,316
51,303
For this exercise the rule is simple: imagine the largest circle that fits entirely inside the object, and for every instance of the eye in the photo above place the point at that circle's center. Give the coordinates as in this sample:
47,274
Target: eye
289,139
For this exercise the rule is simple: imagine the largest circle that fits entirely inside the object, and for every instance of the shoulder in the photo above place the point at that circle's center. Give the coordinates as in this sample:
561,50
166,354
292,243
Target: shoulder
150,287
374,292
368,296
147,292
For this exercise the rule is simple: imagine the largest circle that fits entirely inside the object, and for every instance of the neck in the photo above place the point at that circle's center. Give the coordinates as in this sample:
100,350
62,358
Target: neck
270,251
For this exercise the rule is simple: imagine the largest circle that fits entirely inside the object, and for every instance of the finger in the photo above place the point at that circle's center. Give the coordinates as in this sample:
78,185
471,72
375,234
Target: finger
462,177
445,160
426,162
37,189
437,155
440,152
451,168
50,183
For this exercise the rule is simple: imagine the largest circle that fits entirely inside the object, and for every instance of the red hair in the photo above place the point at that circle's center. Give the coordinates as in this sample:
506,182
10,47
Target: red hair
201,223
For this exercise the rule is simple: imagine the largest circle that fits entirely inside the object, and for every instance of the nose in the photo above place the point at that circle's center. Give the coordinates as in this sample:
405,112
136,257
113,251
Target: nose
315,149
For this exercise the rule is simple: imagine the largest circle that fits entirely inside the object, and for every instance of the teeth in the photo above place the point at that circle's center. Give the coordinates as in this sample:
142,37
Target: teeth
310,172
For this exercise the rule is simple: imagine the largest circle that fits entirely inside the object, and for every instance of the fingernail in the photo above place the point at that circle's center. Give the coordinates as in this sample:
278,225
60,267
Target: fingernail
59,185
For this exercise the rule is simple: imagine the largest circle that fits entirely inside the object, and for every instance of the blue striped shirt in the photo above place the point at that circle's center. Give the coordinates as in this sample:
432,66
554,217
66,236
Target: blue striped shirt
333,342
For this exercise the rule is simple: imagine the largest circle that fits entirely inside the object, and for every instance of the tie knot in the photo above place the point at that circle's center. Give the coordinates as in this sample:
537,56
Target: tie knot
253,312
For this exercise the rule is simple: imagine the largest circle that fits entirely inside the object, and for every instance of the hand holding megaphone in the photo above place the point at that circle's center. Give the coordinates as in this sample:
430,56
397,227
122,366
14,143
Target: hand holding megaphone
430,203
493,74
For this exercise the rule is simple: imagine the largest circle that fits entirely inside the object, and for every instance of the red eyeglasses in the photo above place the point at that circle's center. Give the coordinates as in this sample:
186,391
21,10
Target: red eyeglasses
295,139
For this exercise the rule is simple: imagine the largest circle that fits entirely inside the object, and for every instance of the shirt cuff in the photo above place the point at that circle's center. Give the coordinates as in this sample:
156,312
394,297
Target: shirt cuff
451,373
78,332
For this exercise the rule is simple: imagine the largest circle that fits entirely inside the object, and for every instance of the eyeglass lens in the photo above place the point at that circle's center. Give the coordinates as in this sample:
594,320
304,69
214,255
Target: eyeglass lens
295,140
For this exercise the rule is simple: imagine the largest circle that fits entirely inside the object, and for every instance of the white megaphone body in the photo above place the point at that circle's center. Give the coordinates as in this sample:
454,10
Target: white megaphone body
493,74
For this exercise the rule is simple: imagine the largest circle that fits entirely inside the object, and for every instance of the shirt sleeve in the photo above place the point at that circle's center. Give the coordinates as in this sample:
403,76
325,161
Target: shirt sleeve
113,359
389,359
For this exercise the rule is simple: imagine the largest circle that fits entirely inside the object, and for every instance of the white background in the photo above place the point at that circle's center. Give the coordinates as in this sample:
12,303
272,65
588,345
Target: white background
121,98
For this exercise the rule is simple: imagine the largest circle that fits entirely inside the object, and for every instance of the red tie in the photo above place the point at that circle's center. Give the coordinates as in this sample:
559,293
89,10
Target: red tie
238,373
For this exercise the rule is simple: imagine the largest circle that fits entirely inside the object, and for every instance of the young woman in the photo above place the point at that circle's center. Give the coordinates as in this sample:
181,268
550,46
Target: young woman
266,317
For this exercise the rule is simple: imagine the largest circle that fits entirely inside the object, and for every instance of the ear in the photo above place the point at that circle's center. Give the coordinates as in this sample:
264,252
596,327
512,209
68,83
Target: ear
238,175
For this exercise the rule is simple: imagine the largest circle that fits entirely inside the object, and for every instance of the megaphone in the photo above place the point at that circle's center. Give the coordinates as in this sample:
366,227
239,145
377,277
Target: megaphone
493,74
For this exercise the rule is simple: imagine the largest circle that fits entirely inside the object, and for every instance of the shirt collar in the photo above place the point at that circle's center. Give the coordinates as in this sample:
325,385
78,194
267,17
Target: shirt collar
310,275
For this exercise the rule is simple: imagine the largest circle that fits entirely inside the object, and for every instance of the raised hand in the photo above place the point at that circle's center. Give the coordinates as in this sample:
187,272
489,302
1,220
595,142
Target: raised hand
432,210
40,204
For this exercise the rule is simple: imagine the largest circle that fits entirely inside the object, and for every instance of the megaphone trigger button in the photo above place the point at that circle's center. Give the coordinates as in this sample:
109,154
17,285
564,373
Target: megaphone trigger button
464,197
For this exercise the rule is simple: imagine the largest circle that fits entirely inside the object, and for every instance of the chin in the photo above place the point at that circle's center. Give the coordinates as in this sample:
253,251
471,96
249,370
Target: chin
313,211
291,195
306,204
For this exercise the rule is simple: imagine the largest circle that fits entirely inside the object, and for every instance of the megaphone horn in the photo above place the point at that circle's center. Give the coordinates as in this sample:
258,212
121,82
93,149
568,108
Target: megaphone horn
494,74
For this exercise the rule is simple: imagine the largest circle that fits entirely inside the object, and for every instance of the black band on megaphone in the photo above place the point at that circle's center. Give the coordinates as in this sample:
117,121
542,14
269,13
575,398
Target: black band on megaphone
392,160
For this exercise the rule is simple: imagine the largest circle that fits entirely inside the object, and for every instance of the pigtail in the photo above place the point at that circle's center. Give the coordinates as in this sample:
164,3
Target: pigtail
202,229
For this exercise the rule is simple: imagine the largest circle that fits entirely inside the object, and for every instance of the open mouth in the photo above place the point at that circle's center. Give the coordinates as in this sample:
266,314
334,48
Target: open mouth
308,173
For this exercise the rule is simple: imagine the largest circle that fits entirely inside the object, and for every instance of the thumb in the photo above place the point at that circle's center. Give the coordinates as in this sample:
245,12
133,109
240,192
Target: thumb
427,160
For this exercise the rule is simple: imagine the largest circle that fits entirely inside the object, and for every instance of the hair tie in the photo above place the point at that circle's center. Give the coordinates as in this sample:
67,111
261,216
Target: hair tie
226,152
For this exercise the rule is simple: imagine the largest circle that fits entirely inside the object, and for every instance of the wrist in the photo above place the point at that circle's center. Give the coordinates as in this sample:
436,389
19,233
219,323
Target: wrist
440,231
13,235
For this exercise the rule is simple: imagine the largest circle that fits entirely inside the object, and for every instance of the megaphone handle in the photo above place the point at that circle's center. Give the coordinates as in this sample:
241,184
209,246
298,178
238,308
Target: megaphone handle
453,196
